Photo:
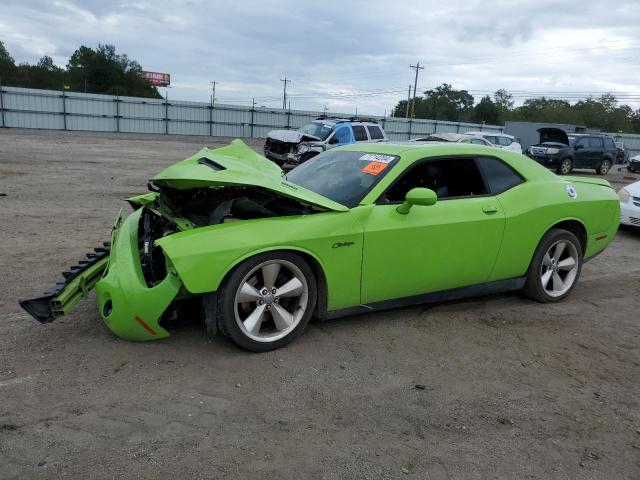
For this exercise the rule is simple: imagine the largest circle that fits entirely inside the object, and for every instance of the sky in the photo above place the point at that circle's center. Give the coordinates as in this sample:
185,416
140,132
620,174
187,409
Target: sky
347,55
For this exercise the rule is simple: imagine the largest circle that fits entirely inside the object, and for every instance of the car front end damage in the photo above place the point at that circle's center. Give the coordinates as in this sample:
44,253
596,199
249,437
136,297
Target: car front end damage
289,154
137,286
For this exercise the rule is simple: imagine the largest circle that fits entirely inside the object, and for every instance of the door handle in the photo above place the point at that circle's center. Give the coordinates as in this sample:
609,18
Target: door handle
488,209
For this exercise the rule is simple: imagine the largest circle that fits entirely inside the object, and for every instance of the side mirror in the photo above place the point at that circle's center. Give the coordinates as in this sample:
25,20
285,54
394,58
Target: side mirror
417,196
578,147
334,140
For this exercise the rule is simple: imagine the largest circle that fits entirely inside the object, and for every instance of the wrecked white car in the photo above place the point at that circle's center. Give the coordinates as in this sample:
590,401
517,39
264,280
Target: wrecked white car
290,148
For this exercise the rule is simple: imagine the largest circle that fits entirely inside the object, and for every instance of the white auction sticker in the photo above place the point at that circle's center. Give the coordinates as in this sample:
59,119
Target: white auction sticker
377,157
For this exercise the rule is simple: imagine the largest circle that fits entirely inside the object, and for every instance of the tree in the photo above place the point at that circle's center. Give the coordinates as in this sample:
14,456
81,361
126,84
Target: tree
104,71
503,100
547,110
486,111
44,74
7,65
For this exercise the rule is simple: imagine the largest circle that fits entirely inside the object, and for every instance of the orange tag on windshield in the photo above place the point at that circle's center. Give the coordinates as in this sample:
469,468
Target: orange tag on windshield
374,168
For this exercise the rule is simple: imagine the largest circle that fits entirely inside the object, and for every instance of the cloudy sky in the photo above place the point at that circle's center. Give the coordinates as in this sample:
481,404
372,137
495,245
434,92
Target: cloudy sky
347,54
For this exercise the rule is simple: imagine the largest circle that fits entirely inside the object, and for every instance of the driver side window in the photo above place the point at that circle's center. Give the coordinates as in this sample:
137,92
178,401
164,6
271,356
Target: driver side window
448,177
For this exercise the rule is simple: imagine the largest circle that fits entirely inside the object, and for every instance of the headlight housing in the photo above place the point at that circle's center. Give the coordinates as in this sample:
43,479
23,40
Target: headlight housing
624,196
552,151
303,148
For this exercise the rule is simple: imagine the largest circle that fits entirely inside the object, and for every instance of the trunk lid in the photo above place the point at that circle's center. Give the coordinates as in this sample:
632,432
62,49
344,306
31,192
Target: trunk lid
238,165
589,180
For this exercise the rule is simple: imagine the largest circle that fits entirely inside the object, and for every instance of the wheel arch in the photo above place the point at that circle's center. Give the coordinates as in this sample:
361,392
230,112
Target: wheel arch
313,261
574,226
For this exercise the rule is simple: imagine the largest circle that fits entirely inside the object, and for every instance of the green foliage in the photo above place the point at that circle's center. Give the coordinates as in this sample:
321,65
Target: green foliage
7,63
445,103
486,111
95,71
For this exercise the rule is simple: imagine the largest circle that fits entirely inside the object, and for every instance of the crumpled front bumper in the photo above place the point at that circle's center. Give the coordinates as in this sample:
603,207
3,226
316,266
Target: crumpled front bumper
128,306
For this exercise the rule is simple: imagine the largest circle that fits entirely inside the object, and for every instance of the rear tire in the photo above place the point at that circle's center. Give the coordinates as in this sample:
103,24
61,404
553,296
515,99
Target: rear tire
565,166
267,301
604,167
555,267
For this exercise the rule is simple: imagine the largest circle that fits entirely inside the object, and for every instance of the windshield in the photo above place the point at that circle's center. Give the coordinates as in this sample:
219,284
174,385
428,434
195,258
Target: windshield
342,176
317,129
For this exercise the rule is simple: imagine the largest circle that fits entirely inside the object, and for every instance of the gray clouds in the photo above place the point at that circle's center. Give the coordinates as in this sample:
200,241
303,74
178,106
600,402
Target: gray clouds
332,49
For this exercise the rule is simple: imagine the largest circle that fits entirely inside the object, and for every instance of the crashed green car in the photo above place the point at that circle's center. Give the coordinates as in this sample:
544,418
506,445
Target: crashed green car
355,229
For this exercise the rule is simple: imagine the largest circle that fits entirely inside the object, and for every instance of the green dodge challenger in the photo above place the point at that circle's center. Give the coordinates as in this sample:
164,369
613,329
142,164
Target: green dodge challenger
355,229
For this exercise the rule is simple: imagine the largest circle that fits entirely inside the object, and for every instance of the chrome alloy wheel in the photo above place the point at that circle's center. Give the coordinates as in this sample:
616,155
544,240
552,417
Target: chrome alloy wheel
559,268
271,300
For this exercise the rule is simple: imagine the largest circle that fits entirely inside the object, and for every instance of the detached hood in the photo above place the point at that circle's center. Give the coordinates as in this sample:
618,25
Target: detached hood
292,136
555,135
237,165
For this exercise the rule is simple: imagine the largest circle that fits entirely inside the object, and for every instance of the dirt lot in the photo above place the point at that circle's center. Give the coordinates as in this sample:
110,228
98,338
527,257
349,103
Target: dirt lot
512,389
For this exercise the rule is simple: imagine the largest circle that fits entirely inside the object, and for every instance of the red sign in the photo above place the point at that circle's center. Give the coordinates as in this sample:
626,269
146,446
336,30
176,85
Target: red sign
157,79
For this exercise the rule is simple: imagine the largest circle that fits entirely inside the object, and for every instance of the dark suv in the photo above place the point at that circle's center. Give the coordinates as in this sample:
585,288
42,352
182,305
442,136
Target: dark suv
563,152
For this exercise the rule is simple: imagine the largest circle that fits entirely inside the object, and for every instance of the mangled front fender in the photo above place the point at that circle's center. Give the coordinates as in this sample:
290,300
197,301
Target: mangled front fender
129,307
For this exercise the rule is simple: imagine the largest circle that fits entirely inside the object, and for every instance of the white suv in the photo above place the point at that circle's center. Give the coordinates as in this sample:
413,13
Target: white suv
502,140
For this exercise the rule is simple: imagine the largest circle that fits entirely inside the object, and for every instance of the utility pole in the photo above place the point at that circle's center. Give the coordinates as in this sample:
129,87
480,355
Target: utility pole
284,80
406,115
213,92
417,68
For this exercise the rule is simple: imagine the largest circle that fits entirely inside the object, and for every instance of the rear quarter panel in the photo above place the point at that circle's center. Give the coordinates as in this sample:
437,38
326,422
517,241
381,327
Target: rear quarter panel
534,207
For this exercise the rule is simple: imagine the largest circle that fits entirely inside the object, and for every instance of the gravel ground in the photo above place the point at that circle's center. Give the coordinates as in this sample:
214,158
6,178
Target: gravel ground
495,387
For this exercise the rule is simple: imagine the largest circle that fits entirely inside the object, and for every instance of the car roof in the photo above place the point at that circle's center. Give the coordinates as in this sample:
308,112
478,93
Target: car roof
588,135
436,148
353,120
494,134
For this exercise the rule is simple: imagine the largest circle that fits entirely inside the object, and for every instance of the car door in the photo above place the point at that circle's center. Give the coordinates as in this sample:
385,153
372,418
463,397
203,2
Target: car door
342,135
582,153
596,151
453,243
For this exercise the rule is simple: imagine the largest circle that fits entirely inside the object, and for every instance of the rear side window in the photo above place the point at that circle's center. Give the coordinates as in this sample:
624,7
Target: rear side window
359,133
375,133
499,176
595,142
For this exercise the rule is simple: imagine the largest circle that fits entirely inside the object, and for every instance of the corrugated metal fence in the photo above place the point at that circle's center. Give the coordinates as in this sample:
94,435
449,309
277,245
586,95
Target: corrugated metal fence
48,109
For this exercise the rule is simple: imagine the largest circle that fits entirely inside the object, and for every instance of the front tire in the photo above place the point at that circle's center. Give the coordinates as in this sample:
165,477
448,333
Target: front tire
604,167
555,268
565,166
267,301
